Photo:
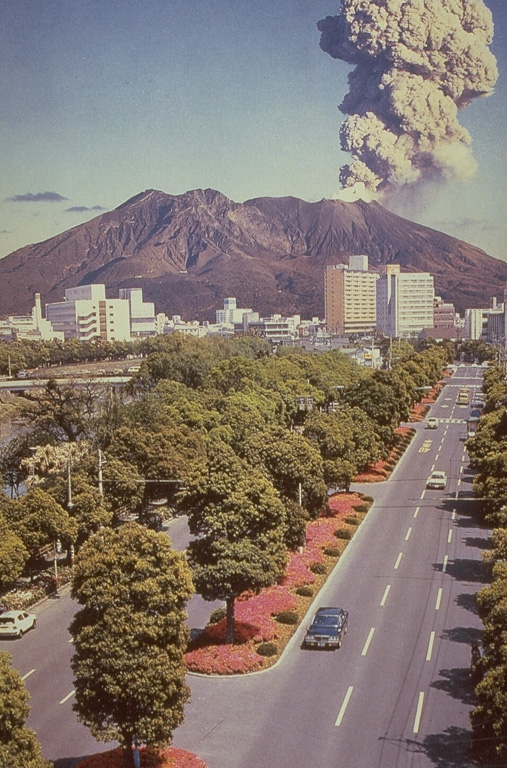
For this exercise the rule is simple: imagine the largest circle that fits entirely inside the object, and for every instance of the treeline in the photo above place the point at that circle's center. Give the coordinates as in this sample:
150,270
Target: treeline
488,455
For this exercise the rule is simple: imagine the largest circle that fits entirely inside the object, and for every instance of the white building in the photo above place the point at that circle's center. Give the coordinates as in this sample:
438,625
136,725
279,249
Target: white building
142,313
350,297
404,302
231,313
87,314
32,327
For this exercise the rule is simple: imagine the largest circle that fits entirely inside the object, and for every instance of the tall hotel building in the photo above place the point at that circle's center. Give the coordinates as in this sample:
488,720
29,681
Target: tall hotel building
405,302
350,297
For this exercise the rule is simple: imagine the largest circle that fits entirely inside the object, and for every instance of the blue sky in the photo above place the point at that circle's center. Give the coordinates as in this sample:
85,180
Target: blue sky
101,100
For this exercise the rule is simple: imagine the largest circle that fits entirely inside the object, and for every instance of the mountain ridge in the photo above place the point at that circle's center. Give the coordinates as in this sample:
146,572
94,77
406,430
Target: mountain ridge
188,252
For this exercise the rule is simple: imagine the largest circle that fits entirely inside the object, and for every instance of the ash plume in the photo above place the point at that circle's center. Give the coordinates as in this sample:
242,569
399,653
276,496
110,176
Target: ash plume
417,63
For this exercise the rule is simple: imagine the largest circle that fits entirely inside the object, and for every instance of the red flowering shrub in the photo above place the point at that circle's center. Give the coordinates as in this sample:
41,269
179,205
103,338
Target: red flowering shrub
169,758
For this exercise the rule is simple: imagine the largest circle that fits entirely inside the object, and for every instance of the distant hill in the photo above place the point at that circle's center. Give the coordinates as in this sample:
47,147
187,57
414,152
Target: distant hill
188,252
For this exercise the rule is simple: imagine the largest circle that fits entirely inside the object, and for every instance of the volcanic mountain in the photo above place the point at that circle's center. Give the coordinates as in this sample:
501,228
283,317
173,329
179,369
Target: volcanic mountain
188,252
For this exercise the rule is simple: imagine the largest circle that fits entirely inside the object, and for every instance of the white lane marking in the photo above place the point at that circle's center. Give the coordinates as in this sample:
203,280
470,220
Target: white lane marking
459,482
384,596
430,646
368,641
444,566
28,674
398,561
439,599
423,494
407,536
461,470
344,706
449,537
416,511
417,721
67,697
433,467
453,514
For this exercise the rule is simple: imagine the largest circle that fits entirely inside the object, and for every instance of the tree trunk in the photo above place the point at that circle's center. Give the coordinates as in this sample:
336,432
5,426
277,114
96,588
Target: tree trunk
229,632
128,755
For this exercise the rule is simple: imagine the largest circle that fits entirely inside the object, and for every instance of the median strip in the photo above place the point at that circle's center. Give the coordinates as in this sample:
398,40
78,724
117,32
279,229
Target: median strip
344,706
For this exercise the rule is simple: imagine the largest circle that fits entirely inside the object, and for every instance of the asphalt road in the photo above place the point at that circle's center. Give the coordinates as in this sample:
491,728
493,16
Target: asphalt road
397,694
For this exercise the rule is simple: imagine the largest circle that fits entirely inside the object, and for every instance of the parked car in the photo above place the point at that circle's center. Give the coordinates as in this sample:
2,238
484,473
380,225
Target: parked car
327,628
16,623
432,423
437,479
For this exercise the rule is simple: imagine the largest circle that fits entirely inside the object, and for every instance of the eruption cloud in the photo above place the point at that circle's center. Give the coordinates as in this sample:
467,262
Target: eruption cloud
417,62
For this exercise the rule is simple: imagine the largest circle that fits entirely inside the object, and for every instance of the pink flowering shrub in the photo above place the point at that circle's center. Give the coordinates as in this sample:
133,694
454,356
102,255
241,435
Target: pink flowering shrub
224,660
168,758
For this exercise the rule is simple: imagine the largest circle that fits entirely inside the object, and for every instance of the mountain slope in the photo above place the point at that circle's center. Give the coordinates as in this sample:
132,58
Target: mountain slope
188,252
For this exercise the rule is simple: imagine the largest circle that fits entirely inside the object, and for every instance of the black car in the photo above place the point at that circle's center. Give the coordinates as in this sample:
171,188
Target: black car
327,628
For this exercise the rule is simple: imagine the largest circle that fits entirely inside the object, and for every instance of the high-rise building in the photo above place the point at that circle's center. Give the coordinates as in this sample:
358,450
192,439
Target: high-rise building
404,302
231,313
350,298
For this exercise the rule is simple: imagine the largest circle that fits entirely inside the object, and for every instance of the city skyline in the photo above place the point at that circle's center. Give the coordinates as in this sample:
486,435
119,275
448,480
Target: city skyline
101,101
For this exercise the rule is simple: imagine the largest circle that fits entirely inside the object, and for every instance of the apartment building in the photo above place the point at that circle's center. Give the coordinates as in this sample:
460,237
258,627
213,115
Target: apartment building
404,302
350,297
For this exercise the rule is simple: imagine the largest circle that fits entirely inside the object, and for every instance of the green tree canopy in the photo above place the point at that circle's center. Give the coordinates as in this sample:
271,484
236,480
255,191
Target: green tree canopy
130,636
13,554
239,522
19,747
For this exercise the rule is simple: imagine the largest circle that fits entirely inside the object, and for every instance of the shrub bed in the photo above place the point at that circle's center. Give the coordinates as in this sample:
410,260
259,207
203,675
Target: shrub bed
168,758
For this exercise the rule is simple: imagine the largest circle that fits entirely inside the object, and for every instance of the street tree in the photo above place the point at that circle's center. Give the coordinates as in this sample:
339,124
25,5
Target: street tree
239,524
19,747
13,554
39,520
130,636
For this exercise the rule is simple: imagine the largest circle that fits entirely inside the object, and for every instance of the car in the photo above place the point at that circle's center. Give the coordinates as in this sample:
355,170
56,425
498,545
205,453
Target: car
432,423
437,479
16,623
327,628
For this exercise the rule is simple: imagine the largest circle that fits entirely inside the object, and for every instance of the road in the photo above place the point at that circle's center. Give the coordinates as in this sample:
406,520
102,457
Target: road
397,694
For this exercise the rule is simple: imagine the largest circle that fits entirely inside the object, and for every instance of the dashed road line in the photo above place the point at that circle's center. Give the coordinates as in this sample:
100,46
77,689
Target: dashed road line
368,641
344,706
384,596
28,674
417,720
439,599
407,535
398,561
67,697
449,536
430,646
416,511
444,565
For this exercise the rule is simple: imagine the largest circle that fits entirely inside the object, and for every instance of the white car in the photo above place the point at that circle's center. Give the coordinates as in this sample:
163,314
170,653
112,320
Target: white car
432,423
437,479
16,623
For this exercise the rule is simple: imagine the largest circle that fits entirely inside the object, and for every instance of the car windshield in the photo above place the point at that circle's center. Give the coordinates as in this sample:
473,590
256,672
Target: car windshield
326,621
6,620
